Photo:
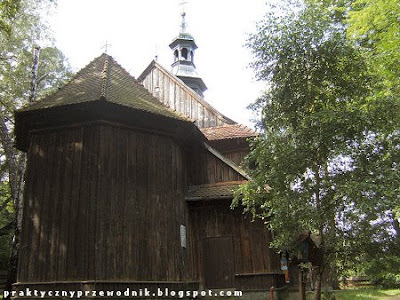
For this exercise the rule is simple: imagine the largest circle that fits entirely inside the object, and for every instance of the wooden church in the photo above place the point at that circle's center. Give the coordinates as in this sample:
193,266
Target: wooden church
129,184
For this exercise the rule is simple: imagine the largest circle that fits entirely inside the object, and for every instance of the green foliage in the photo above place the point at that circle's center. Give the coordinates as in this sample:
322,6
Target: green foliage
384,271
28,30
383,265
16,60
327,159
6,216
311,111
375,25
8,11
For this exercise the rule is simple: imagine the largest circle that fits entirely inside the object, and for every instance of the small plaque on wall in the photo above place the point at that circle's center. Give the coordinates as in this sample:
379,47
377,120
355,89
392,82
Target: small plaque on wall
183,236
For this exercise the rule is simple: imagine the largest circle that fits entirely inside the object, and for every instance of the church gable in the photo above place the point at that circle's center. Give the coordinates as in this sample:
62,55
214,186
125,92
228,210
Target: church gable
175,94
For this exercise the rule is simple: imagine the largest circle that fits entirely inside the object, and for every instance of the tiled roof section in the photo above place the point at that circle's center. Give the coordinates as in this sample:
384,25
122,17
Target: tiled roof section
228,132
104,79
213,191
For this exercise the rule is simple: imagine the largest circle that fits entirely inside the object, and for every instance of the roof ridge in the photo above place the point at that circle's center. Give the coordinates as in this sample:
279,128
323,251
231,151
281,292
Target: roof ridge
74,76
105,77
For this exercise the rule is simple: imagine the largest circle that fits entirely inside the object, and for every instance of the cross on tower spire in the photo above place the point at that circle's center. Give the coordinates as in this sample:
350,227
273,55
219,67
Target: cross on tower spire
106,47
183,14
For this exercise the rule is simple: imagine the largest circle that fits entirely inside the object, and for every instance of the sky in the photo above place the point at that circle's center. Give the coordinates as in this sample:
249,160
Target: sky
138,31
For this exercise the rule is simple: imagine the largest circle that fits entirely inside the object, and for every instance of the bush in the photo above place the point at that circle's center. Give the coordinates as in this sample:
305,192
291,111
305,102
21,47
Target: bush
384,271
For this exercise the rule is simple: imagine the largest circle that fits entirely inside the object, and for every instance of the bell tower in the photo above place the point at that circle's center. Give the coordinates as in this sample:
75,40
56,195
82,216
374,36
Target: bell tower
183,48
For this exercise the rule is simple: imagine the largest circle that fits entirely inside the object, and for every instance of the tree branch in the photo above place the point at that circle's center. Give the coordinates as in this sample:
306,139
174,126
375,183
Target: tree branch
7,228
4,205
42,78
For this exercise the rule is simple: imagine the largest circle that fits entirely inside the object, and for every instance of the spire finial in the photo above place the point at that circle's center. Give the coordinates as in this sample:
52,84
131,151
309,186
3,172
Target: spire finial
106,47
183,14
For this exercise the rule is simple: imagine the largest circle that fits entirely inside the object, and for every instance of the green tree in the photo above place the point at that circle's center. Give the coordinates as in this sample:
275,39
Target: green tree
375,25
8,11
376,162
24,75
319,111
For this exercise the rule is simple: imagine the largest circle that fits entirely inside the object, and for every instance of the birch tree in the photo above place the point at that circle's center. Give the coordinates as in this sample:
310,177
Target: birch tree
317,118
24,76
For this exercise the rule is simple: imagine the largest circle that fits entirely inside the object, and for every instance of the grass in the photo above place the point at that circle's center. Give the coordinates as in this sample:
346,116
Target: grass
364,294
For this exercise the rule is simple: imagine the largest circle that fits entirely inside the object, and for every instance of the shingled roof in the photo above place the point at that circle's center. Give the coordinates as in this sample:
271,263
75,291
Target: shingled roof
102,92
228,132
104,79
220,190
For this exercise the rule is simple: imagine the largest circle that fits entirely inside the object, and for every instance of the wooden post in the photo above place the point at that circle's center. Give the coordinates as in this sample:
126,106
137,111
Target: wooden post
302,285
271,293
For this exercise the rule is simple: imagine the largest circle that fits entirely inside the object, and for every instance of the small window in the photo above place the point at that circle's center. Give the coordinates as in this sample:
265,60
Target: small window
185,53
176,55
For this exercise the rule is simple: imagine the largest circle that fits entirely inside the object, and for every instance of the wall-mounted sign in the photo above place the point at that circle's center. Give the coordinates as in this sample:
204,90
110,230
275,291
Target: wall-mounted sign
183,236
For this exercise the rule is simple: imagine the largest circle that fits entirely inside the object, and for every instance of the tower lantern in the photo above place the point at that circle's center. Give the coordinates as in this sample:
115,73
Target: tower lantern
183,48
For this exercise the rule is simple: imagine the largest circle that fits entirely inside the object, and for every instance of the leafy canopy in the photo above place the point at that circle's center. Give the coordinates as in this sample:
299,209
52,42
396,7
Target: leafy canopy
8,11
318,118
27,30
375,24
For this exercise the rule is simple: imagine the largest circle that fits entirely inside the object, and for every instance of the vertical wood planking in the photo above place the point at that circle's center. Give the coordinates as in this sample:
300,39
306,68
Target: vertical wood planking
205,168
250,247
79,206
174,94
132,212
32,195
108,205
89,187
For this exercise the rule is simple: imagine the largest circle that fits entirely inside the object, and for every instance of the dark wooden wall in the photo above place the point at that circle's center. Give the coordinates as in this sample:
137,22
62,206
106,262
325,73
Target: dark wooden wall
251,253
103,202
206,168
237,156
233,149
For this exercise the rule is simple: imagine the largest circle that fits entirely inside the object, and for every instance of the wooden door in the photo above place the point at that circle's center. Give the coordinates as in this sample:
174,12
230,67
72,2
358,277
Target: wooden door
218,262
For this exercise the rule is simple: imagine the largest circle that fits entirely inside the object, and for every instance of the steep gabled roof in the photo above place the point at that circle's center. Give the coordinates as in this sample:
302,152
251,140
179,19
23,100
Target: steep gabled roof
104,79
226,132
222,119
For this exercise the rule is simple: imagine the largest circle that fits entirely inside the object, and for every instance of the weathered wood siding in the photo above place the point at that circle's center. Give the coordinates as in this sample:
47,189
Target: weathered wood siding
177,96
237,156
103,202
233,149
252,256
205,168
